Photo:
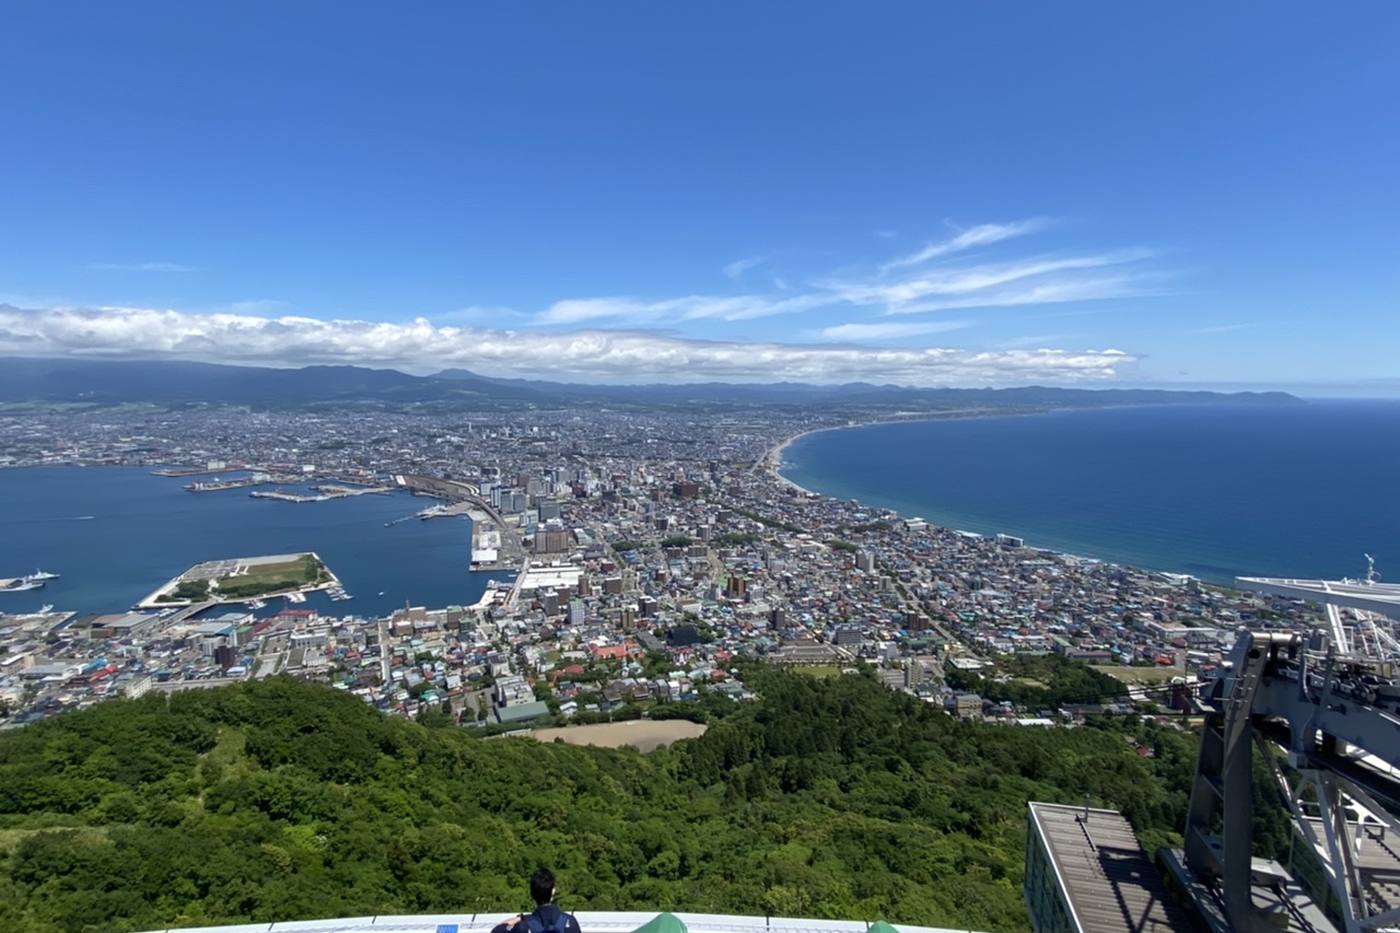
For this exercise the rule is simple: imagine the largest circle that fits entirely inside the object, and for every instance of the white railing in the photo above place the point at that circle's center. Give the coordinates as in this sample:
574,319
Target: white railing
591,921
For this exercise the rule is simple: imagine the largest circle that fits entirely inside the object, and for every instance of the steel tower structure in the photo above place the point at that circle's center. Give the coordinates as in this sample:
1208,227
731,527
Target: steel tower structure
1323,711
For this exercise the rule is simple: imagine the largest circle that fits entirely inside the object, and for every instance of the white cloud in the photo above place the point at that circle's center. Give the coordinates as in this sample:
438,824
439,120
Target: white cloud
739,266
980,235
1055,292
141,267
890,330
1042,279
687,308
963,287
588,355
972,279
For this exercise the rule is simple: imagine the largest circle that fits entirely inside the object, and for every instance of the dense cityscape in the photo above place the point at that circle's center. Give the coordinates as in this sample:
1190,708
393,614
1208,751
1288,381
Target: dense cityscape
699,468
641,555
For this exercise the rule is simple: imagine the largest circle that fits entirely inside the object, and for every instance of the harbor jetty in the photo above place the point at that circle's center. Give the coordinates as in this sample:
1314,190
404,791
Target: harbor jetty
323,493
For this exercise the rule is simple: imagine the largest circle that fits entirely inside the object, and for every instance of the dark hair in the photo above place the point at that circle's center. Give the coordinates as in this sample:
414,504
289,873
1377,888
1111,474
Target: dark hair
542,886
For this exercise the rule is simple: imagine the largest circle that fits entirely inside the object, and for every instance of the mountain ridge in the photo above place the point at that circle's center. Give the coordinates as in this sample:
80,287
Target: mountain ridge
180,383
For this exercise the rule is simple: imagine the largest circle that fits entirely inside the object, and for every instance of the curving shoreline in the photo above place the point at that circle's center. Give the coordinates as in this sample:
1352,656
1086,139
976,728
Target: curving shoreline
1108,485
772,461
772,464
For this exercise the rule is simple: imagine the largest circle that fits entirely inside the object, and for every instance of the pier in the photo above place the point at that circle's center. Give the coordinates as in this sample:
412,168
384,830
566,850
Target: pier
491,533
323,493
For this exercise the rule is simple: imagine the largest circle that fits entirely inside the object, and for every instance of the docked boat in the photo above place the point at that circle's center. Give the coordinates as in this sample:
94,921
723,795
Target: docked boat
22,584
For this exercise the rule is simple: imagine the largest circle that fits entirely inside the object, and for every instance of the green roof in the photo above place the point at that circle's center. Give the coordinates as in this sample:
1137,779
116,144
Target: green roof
532,710
663,923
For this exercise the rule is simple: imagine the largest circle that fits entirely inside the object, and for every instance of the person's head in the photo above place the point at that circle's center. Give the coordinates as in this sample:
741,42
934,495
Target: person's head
542,886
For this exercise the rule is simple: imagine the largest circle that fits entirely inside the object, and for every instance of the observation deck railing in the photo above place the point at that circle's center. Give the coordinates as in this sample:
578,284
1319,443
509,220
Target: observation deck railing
591,921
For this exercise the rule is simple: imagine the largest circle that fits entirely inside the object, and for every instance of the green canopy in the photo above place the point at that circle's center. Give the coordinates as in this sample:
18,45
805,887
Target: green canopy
880,926
663,923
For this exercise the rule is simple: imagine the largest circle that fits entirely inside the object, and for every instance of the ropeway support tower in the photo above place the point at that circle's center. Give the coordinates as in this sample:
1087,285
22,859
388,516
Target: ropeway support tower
1323,711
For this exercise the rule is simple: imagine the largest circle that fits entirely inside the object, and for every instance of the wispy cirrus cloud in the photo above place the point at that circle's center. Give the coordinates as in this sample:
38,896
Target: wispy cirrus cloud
588,355
890,330
980,235
738,267
687,308
925,285
981,280
1043,293
141,267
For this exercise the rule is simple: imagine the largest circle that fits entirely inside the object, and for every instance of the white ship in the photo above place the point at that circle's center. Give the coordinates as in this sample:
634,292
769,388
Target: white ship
42,575
22,584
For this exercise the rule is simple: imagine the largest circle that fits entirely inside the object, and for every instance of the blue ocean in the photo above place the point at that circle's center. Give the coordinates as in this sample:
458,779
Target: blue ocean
1214,491
116,533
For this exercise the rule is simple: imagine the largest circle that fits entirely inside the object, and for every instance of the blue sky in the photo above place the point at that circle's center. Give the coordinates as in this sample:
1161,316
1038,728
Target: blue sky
923,193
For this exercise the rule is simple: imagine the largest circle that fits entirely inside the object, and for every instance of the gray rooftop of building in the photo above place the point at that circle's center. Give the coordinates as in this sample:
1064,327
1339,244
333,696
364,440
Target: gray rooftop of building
1110,883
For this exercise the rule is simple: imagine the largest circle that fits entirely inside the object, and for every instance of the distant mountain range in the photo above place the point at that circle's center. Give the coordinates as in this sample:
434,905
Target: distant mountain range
172,383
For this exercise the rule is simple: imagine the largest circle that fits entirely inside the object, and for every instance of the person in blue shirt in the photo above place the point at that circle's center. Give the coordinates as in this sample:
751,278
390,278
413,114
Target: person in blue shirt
547,917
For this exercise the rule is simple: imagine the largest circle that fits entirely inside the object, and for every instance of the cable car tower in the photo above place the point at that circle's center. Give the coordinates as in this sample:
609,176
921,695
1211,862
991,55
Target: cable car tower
1323,710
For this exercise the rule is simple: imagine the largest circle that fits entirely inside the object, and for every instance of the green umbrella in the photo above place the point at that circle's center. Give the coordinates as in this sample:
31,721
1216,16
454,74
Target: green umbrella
663,923
880,926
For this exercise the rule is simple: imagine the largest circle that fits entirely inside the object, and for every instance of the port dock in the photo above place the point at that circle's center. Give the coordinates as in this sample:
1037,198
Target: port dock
324,493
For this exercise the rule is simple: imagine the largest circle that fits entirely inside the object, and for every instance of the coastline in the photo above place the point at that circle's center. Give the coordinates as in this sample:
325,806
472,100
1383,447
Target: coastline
772,464
125,499
772,461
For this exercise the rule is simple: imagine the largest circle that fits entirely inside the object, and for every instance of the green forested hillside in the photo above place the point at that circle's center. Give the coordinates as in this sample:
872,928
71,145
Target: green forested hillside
281,800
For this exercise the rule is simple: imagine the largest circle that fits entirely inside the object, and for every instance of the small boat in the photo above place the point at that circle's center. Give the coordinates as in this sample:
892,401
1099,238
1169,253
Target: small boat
22,584
42,575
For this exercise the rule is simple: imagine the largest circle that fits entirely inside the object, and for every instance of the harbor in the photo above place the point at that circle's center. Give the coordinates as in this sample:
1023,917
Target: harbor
239,579
324,493
66,519
30,581
496,544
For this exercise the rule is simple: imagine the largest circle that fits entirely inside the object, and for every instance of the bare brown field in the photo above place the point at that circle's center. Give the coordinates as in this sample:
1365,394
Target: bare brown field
644,735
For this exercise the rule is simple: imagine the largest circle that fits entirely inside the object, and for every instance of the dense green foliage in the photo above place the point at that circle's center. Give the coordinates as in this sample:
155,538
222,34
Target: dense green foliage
1049,680
276,799
193,590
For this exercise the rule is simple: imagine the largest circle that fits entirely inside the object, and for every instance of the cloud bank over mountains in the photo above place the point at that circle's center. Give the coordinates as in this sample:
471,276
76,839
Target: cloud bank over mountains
850,318
584,355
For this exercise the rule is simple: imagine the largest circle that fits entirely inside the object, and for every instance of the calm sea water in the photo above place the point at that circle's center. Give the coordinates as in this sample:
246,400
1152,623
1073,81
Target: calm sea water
116,533
1297,490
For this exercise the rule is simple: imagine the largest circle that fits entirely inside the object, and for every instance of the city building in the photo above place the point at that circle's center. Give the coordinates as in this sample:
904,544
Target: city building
1086,873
